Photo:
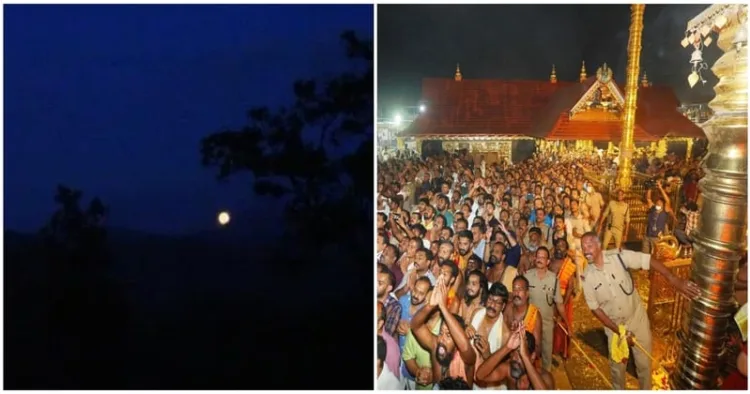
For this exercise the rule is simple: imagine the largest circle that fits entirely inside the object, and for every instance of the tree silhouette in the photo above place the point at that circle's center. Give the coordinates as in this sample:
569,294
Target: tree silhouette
328,191
76,235
87,312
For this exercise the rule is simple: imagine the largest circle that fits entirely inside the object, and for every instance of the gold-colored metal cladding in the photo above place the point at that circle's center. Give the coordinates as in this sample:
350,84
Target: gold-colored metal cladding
722,230
624,172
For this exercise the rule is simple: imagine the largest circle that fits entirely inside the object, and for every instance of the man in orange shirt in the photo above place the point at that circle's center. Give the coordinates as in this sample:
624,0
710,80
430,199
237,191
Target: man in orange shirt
565,269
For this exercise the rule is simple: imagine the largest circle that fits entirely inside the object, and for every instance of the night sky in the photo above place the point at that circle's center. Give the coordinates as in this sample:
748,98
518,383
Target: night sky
523,41
114,100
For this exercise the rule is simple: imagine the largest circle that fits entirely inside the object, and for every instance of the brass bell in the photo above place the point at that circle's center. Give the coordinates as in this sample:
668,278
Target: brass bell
697,56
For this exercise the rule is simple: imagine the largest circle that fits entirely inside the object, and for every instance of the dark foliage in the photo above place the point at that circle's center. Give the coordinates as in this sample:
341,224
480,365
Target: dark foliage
331,192
74,234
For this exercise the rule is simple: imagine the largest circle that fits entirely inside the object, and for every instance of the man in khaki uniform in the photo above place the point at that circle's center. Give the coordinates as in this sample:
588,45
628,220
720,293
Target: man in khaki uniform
545,294
595,202
611,295
619,211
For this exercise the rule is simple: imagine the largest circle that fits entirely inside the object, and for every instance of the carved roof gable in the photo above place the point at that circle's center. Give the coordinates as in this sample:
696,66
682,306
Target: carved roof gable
603,96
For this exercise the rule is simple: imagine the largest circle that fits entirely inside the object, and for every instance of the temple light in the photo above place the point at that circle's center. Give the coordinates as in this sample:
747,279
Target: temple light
397,119
422,108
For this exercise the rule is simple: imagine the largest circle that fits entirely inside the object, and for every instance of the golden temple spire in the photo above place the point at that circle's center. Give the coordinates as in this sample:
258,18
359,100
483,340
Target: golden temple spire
553,76
644,81
583,72
458,75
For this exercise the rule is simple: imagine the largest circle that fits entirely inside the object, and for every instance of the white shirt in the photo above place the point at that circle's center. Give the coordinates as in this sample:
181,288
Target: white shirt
388,381
494,339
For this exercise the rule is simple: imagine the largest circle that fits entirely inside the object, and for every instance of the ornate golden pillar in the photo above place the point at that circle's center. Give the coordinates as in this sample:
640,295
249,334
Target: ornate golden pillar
624,170
689,150
722,229
610,148
419,141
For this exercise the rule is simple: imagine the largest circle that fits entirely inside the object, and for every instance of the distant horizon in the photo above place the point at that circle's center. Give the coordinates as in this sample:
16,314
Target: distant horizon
237,218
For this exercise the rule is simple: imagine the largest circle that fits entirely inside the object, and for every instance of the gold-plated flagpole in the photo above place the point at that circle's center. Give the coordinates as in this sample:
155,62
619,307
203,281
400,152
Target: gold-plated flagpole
625,168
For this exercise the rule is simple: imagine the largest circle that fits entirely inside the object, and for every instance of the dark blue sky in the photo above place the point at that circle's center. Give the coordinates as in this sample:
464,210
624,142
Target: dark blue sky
114,100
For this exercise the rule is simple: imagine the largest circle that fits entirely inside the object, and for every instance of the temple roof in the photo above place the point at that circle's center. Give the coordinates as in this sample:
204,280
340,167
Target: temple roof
481,106
560,111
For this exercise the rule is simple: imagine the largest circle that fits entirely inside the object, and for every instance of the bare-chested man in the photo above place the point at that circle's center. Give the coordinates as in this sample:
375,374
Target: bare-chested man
518,372
487,329
465,248
520,312
475,295
451,352
501,271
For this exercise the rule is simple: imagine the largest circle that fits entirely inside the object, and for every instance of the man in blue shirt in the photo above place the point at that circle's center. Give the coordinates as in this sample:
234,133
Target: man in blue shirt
478,231
442,207
512,251
658,213
411,303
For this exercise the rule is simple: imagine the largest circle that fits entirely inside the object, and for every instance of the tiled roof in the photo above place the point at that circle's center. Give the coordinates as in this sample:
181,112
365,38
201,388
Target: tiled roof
566,129
539,109
658,113
481,106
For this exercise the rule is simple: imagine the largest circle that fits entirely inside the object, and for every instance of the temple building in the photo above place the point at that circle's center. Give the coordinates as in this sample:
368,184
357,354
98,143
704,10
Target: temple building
511,118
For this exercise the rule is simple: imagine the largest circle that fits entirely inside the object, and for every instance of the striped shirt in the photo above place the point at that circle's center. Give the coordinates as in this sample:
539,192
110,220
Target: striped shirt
392,314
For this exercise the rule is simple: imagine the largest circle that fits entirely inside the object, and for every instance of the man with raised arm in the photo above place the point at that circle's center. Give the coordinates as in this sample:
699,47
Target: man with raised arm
611,294
518,371
452,354
488,331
